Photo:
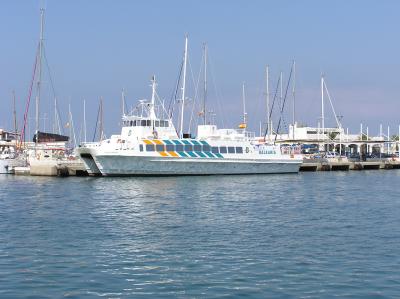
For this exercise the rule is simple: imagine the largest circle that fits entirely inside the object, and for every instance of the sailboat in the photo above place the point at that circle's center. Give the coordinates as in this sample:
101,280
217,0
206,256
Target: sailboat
149,145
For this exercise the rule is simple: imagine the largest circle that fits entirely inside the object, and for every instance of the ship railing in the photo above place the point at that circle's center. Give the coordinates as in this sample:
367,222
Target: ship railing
249,135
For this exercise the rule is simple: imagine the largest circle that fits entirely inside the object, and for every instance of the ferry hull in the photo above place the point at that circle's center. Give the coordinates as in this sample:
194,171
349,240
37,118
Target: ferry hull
152,166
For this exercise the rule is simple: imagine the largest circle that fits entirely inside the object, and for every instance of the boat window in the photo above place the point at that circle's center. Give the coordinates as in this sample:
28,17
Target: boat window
179,148
160,147
170,148
206,148
215,150
222,149
165,123
149,147
143,123
148,122
141,147
157,123
162,123
197,148
133,123
239,150
188,148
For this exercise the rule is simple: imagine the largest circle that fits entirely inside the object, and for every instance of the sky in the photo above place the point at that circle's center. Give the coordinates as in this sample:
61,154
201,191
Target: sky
94,49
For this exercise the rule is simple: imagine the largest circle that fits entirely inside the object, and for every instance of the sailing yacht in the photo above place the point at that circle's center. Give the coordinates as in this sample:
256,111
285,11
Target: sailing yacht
149,145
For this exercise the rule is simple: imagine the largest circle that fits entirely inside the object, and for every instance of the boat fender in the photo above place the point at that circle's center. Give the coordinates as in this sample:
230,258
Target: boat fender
247,150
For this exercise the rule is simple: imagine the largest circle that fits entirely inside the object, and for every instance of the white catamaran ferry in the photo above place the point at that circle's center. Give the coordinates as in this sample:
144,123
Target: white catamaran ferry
150,146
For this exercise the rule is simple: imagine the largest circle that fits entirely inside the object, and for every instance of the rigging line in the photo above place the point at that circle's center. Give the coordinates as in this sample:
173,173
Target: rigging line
97,121
333,109
215,88
284,101
273,104
175,93
195,93
52,86
22,137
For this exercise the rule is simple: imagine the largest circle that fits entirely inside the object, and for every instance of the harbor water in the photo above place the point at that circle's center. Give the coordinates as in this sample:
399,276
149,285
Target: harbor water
308,235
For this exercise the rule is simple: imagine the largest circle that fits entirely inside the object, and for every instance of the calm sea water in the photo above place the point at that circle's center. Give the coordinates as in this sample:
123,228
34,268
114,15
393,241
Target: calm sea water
312,235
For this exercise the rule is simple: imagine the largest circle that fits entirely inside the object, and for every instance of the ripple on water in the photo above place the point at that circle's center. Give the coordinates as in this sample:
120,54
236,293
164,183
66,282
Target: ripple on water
288,236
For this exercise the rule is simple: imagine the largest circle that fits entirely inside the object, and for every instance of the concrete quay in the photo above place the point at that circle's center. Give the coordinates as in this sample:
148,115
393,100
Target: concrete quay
345,165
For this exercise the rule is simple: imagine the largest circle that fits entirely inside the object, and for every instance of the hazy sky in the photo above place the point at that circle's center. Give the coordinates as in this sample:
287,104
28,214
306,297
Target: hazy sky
96,48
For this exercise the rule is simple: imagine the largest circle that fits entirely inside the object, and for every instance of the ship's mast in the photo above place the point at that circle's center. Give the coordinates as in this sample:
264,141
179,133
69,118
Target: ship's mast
123,102
39,81
153,98
183,87
205,83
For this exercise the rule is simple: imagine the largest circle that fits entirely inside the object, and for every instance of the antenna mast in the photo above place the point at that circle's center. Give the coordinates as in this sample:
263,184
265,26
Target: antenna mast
183,86
244,108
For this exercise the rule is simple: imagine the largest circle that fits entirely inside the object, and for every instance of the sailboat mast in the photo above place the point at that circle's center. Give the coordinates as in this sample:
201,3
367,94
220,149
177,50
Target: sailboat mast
205,84
39,81
294,97
15,116
101,118
322,108
268,117
183,86
84,119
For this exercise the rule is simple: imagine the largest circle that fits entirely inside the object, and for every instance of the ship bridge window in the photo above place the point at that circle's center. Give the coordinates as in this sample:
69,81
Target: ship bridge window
214,150
148,122
170,147
157,123
239,150
143,123
179,148
160,148
222,149
231,150
197,148
163,123
149,147
188,148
